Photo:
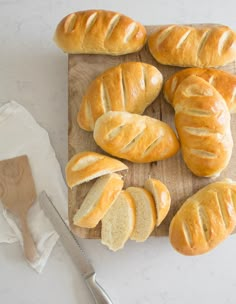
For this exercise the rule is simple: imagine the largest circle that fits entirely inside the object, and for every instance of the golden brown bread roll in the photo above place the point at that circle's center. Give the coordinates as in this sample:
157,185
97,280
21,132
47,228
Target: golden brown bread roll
203,123
223,82
130,87
205,219
134,137
99,32
187,46
87,165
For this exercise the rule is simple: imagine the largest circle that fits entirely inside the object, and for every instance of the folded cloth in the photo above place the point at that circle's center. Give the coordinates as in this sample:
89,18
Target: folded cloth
21,134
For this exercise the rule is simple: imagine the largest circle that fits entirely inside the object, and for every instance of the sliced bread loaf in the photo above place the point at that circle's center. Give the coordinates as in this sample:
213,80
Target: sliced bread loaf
145,213
88,165
161,197
118,223
98,200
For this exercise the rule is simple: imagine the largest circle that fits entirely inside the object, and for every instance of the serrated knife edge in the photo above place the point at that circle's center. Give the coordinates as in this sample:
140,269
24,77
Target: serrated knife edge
73,247
68,239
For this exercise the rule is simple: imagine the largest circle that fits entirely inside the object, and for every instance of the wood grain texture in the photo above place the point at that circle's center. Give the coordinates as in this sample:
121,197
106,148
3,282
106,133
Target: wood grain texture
172,172
17,193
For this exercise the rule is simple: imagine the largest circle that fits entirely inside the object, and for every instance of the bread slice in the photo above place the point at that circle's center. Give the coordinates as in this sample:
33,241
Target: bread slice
119,221
98,200
88,165
161,197
145,213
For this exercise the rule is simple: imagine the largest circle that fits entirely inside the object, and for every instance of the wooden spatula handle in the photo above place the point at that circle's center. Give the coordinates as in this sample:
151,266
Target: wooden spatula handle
30,249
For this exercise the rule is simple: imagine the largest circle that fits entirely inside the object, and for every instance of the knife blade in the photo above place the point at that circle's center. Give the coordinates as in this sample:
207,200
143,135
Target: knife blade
74,249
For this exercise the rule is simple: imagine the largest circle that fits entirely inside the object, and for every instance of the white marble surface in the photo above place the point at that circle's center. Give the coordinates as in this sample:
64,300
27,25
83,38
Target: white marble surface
34,72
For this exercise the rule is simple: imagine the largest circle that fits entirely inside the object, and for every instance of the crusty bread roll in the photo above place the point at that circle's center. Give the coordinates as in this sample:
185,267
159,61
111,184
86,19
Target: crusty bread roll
203,123
187,46
223,82
161,197
118,223
88,165
128,87
205,219
98,200
99,32
145,213
135,137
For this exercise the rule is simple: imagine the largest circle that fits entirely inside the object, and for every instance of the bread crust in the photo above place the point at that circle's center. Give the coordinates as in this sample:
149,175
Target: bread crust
205,219
203,123
223,82
161,197
130,87
188,46
108,195
99,32
134,137
87,165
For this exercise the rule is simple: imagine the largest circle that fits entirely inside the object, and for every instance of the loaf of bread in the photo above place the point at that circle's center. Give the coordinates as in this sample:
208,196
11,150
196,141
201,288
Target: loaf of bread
202,120
161,197
223,82
128,87
99,32
134,137
85,166
98,200
145,213
205,219
199,46
119,222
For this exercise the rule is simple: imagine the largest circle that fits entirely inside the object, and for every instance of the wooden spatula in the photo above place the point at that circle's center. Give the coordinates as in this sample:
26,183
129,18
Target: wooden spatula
17,193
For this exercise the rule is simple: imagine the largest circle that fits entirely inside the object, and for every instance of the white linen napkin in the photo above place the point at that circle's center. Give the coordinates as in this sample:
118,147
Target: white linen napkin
21,134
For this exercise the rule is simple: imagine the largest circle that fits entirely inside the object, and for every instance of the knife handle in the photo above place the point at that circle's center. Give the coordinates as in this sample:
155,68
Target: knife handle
99,294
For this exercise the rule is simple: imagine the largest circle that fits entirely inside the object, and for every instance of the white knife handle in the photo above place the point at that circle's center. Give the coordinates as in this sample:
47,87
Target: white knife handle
98,292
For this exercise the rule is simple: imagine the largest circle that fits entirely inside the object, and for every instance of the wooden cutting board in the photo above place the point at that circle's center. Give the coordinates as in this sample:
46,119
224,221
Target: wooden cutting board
181,182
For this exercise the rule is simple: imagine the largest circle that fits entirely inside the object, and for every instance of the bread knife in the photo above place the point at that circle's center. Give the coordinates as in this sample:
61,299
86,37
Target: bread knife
74,249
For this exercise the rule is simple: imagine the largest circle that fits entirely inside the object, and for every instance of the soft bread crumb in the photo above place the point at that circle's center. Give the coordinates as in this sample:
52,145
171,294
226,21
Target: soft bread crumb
145,213
118,223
